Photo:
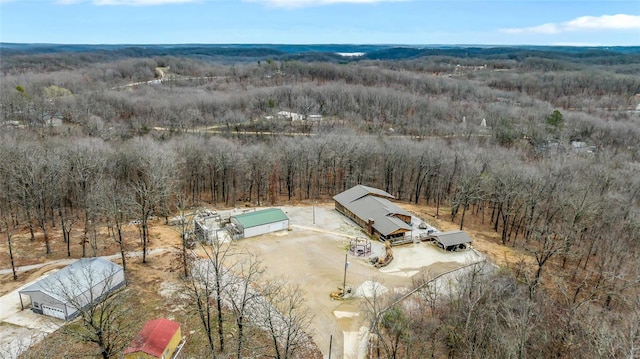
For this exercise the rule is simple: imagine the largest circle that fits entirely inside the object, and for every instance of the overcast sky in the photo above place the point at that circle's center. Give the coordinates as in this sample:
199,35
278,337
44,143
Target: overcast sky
500,22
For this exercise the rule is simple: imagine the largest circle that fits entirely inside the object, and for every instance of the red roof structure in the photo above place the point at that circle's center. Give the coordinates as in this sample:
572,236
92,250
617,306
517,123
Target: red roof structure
154,337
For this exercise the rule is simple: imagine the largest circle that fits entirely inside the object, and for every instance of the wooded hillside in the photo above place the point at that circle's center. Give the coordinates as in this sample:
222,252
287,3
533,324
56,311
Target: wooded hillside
542,147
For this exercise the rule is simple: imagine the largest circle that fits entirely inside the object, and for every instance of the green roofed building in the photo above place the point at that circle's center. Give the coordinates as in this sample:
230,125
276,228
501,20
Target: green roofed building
261,222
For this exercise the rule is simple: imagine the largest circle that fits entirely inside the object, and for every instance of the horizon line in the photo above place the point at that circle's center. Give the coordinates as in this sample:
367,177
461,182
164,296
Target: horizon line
309,44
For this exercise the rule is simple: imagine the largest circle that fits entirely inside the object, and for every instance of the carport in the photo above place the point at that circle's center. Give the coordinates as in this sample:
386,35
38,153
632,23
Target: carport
452,240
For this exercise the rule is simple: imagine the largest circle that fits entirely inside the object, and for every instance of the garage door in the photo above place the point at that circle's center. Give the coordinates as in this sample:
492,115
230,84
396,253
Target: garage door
53,312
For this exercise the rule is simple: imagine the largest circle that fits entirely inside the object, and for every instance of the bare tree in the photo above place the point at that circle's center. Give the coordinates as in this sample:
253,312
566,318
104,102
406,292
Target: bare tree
468,191
184,225
395,324
505,196
375,306
545,245
286,318
37,174
7,213
115,206
104,312
86,161
200,290
207,285
68,219
152,184
258,164
6,223
244,296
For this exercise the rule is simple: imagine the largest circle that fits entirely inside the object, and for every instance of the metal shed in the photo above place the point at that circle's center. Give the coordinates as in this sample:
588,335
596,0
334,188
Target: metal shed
159,338
66,292
452,240
261,222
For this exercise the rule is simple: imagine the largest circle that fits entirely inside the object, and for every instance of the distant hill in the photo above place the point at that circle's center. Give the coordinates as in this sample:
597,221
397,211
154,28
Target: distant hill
188,49
497,53
331,52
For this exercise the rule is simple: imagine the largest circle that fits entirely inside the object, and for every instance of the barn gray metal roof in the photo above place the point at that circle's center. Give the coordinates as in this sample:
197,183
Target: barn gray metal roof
452,238
74,279
358,200
358,192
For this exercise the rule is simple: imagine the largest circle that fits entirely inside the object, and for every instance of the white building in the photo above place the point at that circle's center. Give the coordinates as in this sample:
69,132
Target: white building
261,222
66,292
291,116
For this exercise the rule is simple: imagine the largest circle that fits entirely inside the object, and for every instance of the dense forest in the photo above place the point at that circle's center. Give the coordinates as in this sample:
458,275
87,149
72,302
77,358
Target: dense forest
542,144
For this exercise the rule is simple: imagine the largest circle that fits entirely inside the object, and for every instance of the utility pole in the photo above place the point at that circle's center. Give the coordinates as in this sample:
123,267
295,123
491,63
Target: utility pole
344,280
314,212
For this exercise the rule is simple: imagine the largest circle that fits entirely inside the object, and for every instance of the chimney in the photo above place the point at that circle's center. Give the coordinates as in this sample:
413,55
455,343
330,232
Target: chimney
370,223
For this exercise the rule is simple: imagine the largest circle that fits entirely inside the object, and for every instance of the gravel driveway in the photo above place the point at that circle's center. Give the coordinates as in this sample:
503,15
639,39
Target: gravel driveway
19,329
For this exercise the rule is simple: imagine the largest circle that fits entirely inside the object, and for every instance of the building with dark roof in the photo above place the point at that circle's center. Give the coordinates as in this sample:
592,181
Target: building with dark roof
371,209
452,240
261,222
159,338
65,293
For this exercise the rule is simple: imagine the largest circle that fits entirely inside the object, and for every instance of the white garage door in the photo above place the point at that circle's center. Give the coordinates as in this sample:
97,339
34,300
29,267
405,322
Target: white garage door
52,312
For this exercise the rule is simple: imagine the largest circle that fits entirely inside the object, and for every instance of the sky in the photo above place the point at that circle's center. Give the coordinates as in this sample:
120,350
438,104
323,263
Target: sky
410,22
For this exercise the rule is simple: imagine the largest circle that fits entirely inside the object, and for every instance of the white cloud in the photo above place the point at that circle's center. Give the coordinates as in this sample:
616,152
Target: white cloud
309,3
583,23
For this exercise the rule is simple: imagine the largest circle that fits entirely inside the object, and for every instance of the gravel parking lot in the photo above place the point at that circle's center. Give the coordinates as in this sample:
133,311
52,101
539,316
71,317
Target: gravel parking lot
312,255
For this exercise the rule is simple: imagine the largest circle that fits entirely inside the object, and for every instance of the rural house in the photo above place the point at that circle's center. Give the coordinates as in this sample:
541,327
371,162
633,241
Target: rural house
260,222
65,293
291,116
159,338
371,209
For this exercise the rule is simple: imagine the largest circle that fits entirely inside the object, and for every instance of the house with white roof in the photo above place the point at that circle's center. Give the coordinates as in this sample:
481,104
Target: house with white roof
65,293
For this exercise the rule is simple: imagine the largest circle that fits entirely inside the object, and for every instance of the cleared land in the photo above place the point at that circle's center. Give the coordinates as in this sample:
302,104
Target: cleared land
311,255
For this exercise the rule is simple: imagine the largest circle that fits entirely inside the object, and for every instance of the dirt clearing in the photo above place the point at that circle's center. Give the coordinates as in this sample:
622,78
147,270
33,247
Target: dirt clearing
313,257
